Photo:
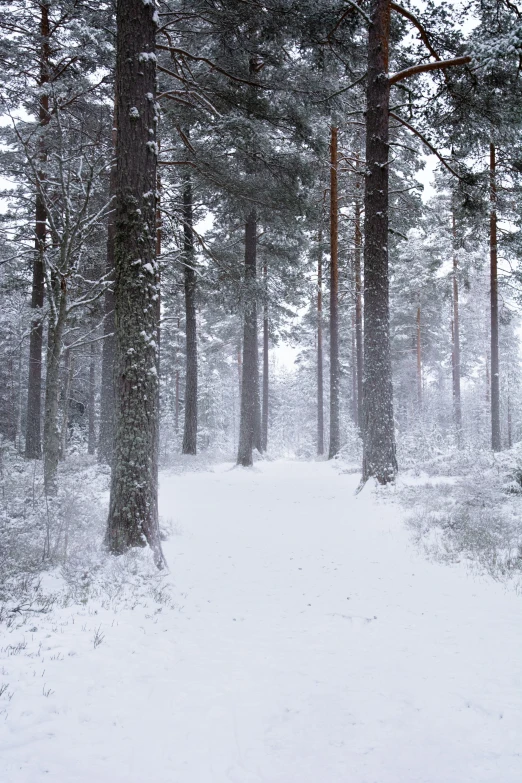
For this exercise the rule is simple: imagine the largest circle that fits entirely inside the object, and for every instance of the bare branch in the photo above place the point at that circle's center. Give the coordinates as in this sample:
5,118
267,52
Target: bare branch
427,143
423,67
213,66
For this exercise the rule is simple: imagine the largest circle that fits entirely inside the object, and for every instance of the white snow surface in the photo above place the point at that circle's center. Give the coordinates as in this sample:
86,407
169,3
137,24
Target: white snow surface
309,642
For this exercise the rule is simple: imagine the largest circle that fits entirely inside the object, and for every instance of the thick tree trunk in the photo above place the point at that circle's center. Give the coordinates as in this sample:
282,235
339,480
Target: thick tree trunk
379,459
107,391
320,382
264,415
133,511
496,443
33,437
456,341
91,441
249,386
191,376
335,433
358,307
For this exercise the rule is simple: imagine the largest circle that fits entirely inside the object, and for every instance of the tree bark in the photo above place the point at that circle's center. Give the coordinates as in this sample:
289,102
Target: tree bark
33,433
358,307
496,443
91,438
51,434
69,372
320,382
355,412
335,433
456,340
509,423
379,454
191,375
107,391
419,359
249,386
264,415
133,510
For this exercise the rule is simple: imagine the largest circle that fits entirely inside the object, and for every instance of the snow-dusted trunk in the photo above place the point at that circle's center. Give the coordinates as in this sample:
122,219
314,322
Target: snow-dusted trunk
133,510
419,359
91,442
358,306
496,444
107,391
190,431
249,382
379,458
69,371
51,435
456,341
264,413
320,381
335,433
33,436
355,416
258,442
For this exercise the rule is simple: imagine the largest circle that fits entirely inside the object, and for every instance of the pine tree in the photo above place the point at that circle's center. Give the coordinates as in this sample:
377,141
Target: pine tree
133,512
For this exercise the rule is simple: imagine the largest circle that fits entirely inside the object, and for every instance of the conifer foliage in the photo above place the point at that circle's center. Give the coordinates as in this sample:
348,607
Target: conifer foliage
214,240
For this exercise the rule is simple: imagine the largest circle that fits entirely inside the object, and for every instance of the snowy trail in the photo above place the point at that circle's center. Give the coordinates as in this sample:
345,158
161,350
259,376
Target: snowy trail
312,644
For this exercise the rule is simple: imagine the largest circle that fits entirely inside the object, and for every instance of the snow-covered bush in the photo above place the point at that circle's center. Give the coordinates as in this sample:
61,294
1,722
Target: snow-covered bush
41,534
476,515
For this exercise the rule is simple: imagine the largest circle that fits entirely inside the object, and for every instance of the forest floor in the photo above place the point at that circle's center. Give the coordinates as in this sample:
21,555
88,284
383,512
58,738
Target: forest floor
299,637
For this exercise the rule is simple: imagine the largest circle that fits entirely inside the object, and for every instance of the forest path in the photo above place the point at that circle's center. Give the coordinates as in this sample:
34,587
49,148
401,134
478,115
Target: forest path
311,644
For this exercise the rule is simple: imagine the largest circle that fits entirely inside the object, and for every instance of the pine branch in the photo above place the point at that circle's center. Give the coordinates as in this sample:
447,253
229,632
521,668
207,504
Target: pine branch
424,67
416,23
213,66
427,143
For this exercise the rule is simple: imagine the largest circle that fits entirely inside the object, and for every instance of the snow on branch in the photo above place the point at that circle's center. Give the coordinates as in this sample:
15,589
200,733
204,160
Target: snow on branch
424,67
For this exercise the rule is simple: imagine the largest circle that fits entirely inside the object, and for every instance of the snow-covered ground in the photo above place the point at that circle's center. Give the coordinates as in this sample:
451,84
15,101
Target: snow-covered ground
308,642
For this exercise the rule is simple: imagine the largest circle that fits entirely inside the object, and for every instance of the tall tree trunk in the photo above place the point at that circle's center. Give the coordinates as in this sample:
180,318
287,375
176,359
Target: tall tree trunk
191,376
456,340
133,510
358,306
249,387
51,433
239,367
355,411
177,400
91,441
320,383
69,371
107,391
335,434
33,433
419,359
264,418
176,404
379,458
509,423
496,443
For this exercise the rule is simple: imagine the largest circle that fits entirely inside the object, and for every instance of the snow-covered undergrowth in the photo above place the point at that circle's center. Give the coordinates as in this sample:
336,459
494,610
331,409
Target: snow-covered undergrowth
467,505
298,636
51,549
